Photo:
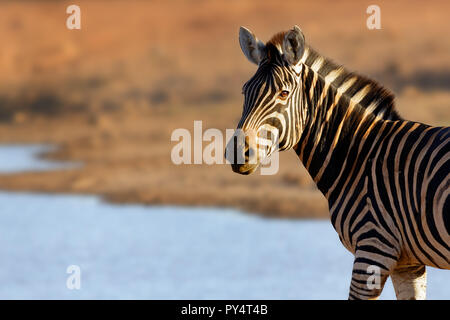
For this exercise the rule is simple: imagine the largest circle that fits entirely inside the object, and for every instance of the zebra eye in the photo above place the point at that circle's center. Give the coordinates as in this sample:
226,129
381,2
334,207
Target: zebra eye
283,95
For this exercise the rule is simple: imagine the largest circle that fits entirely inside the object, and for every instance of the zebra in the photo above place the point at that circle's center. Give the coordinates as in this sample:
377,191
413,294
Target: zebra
386,179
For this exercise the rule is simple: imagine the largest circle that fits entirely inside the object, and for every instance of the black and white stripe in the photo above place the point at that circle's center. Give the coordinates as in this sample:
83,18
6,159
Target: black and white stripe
387,180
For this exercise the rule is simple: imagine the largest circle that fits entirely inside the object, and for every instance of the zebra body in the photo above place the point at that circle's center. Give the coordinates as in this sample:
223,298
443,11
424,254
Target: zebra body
387,180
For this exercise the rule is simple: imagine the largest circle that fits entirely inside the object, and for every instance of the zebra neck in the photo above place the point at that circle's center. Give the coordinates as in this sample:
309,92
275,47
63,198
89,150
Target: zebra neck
337,122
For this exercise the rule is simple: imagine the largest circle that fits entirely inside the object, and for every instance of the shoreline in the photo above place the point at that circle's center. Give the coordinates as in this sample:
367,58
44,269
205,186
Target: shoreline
166,184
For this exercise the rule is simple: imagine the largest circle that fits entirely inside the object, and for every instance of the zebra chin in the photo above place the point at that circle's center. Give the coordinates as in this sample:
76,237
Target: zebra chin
244,169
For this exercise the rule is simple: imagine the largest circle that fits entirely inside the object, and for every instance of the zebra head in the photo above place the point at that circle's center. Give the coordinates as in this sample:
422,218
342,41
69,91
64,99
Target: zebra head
272,119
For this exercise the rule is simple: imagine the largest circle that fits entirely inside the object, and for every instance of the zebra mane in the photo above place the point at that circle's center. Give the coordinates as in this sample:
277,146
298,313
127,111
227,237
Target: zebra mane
379,100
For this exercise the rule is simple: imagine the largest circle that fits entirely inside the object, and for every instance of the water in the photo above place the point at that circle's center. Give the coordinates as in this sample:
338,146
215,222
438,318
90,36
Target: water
19,158
142,252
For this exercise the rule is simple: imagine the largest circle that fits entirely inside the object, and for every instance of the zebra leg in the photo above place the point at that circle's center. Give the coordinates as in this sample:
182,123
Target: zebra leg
370,272
410,282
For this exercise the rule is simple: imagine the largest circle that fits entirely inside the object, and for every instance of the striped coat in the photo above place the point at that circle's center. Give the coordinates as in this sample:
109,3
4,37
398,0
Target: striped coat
386,179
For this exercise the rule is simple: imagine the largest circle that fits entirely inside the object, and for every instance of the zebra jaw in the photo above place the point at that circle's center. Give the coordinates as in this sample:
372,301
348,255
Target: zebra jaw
244,169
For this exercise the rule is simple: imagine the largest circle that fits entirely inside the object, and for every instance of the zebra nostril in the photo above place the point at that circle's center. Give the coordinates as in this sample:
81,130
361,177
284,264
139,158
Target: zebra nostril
249,153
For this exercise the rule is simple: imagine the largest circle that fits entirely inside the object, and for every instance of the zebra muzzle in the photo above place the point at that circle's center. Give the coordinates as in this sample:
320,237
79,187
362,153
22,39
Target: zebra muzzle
241,153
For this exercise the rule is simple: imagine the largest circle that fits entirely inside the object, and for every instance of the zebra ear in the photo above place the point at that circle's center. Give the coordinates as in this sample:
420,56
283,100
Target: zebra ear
252,48
294,45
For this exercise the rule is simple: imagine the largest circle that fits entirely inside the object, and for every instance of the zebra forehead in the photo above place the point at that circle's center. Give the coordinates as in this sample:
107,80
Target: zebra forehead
267,75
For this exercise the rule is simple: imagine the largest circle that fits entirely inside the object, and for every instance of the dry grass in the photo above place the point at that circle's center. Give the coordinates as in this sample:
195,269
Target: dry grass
111,94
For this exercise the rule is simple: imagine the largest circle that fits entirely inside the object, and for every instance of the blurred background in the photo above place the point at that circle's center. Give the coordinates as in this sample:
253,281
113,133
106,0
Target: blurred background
99,105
